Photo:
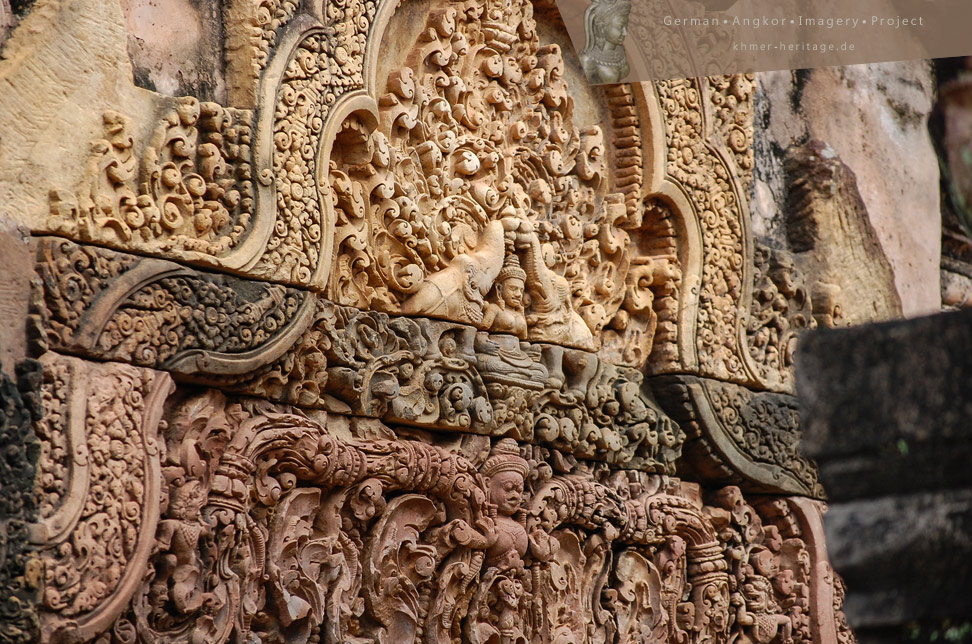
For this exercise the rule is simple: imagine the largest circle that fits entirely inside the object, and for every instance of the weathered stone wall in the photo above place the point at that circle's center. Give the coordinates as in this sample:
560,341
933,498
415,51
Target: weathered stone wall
360,321
887,411
883,239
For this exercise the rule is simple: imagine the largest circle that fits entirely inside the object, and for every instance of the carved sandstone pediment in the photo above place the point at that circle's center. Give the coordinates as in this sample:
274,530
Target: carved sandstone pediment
482,181
419,338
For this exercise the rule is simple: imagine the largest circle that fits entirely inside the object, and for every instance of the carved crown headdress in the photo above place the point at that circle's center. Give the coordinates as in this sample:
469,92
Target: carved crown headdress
505,457
511,268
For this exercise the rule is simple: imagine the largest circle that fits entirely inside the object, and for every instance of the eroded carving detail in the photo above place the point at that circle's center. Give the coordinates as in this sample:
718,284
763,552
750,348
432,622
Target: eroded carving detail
188,194
22,458
251,36
645,329
781,309
732,98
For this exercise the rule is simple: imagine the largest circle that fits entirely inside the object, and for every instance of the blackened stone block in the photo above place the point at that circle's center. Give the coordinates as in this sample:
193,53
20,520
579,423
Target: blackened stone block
887,414
887,408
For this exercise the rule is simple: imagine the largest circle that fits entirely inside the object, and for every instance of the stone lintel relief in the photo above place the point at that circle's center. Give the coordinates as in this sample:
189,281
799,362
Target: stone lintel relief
290,346
271,524
473,184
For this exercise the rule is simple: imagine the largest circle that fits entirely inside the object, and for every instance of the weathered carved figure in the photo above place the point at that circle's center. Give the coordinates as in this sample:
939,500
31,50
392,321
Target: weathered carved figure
179,538
552,311
759,614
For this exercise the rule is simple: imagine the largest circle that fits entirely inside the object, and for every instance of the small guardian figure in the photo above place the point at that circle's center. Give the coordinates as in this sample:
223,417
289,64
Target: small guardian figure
605,28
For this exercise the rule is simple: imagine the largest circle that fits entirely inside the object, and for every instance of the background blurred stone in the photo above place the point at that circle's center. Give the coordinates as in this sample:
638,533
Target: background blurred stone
887,414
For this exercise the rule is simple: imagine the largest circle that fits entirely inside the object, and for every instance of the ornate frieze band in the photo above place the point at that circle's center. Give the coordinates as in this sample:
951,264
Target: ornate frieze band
269,524
290,346
736,436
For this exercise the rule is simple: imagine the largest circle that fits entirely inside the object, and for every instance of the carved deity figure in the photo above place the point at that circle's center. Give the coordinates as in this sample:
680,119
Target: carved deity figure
760,613
605,28
506,315
505,588
552,316
505,472
178,538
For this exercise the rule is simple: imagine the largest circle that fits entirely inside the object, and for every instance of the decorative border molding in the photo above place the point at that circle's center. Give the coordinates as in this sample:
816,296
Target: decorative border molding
99,487
739,437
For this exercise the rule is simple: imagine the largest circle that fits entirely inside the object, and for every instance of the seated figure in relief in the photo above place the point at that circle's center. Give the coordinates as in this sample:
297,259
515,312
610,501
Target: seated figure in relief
502,358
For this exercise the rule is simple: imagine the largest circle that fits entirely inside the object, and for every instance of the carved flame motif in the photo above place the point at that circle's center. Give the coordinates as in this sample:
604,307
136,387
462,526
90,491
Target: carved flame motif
477,197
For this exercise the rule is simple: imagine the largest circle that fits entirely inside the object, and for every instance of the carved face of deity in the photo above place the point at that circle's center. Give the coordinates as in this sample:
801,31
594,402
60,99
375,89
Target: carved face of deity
187,501
616,29
506,491
511,292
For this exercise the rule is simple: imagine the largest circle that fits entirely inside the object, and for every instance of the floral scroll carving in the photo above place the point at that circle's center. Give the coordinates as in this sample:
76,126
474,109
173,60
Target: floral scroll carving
188,194
781,309
738,436
98,479
224,187
272,528
153,313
